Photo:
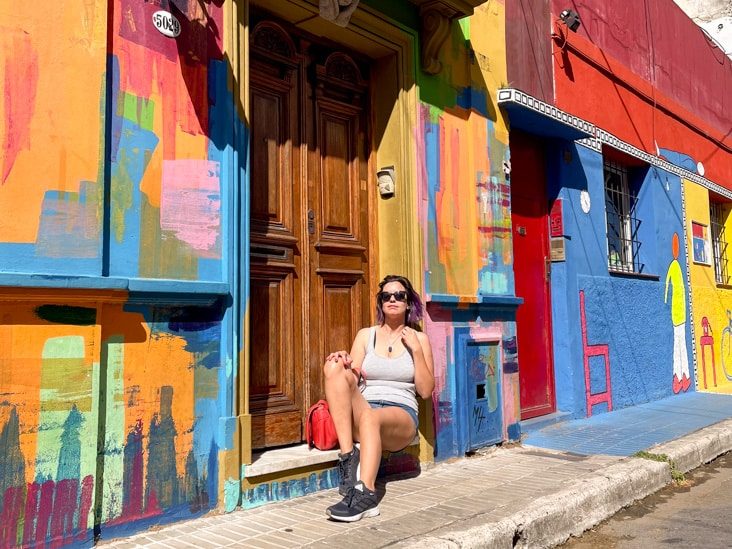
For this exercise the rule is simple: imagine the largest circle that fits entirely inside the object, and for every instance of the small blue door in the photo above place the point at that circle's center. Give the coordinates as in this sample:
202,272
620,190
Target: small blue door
483,368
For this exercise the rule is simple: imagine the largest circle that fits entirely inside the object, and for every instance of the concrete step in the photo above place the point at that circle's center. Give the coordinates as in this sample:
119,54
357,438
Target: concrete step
537,423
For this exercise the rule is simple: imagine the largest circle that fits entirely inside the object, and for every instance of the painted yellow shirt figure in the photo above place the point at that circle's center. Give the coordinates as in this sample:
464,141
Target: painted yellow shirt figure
675,277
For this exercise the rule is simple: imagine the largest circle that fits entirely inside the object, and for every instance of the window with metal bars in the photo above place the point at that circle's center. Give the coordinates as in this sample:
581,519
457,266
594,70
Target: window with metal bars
623,245
717,216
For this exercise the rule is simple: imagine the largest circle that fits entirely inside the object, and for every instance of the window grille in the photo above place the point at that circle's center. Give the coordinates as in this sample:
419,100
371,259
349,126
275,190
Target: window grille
623,245
719,242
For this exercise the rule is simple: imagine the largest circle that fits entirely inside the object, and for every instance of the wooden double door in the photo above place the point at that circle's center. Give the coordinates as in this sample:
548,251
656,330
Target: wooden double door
310,220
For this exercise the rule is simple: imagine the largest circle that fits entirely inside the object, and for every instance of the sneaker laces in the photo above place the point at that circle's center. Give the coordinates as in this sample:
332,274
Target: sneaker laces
349,496
343,469
354,494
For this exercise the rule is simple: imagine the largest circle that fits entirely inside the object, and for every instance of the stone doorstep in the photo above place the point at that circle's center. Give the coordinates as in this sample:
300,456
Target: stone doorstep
284,459
292,457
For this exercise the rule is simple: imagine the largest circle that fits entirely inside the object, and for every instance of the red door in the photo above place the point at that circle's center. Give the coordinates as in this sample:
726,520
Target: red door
531,267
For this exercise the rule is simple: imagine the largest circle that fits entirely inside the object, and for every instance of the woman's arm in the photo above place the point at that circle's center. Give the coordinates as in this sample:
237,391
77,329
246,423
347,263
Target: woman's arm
419,345
358,349
424,375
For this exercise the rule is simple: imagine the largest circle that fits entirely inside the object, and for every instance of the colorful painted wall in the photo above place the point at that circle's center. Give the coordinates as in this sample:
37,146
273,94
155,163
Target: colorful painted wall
629,335
465,213
52,142
667,101
711,302
116,170
169,137
110,410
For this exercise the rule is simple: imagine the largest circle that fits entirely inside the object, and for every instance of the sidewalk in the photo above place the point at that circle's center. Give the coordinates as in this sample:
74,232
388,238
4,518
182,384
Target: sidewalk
561,480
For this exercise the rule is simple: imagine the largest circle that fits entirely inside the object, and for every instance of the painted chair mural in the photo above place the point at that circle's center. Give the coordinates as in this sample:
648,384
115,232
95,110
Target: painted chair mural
601,350
707,340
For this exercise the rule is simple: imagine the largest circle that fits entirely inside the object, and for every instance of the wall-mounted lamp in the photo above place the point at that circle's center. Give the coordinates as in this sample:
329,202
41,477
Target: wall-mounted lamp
386,182
571,18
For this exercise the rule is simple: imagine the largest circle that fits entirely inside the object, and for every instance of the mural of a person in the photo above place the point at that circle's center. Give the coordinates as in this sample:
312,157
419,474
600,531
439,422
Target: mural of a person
675,278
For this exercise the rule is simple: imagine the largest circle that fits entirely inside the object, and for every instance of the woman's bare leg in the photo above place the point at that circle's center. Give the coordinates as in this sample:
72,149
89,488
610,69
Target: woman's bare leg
340,383
388,428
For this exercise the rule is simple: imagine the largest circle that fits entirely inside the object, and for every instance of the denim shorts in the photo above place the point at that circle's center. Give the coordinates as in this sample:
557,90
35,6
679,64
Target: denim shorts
387,404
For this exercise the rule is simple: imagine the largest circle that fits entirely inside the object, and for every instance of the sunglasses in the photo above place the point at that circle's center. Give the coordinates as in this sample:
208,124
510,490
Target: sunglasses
401,295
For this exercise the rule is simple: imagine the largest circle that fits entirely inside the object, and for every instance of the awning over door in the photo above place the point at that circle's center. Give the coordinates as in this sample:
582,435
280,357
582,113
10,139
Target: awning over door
537,117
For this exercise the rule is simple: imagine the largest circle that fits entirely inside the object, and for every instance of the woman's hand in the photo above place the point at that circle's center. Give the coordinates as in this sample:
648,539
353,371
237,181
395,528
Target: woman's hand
340,355
410,340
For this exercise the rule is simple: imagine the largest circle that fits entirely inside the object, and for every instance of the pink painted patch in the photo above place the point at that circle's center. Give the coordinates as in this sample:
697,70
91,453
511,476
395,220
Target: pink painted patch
21,80
190,204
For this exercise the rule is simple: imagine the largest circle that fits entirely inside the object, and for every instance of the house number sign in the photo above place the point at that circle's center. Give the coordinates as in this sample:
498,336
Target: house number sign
166,23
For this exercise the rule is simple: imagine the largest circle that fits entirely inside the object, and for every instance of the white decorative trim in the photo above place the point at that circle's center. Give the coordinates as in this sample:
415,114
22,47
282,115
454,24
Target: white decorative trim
599,137
510,95
694,358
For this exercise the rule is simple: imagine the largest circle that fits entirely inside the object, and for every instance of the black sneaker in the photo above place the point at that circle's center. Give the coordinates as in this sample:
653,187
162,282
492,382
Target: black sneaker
360,502
348,470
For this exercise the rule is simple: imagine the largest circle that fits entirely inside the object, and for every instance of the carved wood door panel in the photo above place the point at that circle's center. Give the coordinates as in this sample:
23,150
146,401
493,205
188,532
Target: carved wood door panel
309,214
338,166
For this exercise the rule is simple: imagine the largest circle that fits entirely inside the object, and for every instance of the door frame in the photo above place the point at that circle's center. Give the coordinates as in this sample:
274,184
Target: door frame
393,117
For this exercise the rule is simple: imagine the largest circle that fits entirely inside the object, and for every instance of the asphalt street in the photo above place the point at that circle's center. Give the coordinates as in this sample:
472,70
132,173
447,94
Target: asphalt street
694,513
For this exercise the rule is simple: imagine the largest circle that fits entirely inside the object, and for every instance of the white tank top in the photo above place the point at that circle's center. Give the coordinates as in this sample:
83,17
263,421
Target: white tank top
390,379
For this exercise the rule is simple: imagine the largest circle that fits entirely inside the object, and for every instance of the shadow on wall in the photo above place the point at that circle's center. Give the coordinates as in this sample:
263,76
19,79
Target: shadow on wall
198,47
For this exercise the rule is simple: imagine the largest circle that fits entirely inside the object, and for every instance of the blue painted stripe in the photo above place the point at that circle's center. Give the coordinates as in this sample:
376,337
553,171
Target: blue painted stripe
140,285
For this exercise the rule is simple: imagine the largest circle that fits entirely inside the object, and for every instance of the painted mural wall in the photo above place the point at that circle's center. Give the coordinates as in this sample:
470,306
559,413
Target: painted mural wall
52,139
619,340
170,109
115,166
110,410
465,211
711,302
117,172
668,102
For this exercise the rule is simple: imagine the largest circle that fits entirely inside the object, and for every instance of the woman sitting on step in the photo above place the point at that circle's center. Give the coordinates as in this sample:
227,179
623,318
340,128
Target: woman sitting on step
372,394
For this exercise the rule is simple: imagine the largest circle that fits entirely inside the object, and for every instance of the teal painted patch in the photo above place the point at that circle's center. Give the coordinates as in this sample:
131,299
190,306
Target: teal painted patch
232,490
66,314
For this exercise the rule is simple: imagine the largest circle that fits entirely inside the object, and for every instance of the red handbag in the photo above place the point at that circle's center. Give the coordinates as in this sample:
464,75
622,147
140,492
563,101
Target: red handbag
319,427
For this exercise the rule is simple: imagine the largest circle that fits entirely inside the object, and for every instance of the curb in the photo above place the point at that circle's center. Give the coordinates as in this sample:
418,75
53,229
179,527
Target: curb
695,449
552,519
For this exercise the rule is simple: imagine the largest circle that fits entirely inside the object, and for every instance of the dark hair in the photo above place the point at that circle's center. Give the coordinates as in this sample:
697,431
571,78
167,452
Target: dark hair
414,303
